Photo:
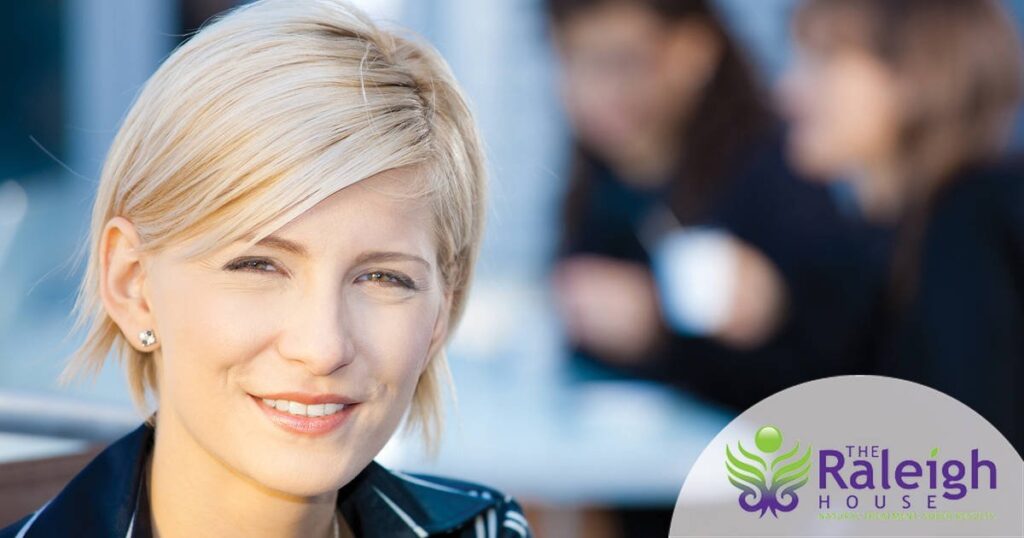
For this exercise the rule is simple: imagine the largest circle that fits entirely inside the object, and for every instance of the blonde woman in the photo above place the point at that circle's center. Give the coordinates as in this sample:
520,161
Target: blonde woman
281,244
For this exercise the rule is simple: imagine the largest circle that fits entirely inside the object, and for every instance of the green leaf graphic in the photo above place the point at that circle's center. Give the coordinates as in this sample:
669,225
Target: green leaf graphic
785,456
742,471
794,471
752,457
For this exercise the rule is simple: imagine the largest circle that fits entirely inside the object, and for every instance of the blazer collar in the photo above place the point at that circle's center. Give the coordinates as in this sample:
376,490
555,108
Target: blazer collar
103,499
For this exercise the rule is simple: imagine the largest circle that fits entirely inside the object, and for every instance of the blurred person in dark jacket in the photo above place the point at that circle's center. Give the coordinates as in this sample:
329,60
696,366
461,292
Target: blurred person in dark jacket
758,283
691,253
910,103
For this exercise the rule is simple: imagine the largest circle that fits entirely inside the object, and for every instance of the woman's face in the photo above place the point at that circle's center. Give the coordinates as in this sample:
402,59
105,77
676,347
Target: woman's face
343,305
844,108
629,76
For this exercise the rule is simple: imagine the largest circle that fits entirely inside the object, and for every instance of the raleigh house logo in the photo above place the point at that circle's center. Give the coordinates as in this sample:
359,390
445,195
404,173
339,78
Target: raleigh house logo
856,455
870,471
768,483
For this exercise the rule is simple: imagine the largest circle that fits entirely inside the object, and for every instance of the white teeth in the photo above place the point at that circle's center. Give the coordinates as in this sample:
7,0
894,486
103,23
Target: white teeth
303,410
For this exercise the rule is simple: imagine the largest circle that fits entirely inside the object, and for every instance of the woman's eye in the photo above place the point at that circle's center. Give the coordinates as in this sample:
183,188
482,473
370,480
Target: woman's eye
258,265
386,278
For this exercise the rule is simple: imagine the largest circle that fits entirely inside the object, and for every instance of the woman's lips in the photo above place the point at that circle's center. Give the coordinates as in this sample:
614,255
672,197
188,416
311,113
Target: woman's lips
307,425
307,398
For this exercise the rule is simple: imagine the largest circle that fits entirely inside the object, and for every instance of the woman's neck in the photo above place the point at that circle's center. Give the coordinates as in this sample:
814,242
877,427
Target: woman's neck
194,494
651,167
651,160
881,189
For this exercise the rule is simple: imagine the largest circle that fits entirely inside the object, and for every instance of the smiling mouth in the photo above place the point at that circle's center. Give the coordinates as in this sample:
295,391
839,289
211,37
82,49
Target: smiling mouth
302,410
305,414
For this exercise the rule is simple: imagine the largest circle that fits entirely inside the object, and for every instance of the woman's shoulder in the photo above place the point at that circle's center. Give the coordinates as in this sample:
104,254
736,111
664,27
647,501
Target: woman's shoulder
93,501
999,177
12,530
455,507
397,503
989,191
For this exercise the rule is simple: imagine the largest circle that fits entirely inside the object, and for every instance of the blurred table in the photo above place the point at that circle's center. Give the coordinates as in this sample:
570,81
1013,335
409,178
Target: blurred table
599,443
18,447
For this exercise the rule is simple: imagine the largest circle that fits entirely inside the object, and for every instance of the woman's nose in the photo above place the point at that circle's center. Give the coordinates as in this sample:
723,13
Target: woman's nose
315,332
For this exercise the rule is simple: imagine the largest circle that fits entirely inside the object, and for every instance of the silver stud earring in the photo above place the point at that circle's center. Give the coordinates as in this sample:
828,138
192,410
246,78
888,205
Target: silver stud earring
147,337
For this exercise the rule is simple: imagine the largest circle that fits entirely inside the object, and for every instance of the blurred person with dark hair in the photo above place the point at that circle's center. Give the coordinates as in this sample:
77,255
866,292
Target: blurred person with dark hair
670,125
757,283
910,103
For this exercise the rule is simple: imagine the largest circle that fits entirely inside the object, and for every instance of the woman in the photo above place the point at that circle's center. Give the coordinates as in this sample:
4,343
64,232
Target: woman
691,255
281,244
669,120
910,103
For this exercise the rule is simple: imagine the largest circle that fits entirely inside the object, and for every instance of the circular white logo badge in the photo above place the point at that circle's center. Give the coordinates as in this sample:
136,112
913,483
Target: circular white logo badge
855,456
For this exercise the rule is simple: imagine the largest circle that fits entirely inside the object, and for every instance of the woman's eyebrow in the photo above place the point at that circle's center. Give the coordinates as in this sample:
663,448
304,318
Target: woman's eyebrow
274,241
389,256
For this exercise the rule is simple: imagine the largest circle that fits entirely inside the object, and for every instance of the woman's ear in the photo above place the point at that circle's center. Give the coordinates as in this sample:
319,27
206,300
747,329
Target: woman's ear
440,334
123,280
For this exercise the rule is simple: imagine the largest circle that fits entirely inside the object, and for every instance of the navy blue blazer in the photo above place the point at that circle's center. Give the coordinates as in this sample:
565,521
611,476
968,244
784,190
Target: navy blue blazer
108,499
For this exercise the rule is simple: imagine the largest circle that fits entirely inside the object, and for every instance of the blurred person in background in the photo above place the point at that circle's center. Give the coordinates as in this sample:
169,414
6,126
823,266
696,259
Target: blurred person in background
756,283
910,104
669,119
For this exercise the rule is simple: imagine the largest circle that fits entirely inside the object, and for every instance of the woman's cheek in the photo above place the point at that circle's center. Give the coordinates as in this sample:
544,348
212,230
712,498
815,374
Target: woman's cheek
393,336
238,321
823,123
216,329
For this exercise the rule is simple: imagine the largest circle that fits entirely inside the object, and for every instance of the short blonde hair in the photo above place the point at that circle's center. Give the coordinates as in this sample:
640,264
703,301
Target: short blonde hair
269,109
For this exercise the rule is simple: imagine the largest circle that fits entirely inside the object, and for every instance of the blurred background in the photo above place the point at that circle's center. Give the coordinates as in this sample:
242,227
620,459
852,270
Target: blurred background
694,204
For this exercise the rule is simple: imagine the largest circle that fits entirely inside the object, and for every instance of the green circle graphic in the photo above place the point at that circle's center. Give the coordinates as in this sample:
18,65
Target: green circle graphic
768,439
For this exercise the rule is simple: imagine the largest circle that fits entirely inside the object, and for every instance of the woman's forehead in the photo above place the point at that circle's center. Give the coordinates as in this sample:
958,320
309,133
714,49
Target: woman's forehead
387,208
398,194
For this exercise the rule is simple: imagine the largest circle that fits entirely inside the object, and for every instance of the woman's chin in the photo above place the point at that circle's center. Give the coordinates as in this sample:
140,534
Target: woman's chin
304,480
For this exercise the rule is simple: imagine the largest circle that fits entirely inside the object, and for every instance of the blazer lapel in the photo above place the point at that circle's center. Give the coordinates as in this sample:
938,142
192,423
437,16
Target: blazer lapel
98,502
380,503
